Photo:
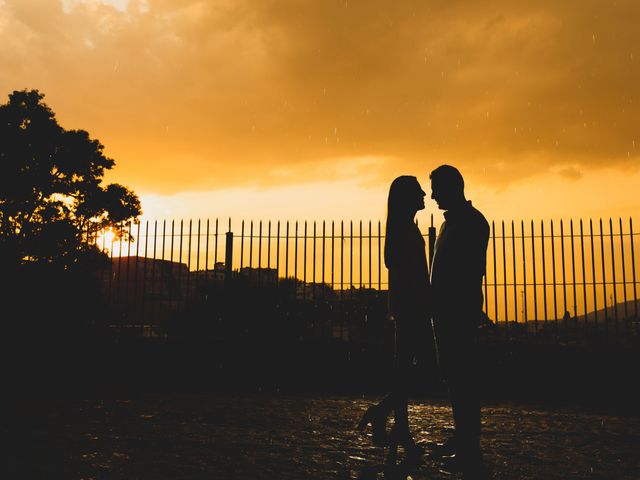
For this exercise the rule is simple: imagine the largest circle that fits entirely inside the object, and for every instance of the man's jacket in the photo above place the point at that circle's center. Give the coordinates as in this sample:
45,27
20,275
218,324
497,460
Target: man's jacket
458,265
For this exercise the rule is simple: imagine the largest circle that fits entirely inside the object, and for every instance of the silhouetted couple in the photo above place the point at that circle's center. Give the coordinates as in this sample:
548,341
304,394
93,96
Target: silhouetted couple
446,305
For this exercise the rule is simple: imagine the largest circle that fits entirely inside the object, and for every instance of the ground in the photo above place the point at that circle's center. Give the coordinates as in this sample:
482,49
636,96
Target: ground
282,436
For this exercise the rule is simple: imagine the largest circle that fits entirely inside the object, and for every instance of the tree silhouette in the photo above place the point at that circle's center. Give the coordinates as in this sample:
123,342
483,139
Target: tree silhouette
51,198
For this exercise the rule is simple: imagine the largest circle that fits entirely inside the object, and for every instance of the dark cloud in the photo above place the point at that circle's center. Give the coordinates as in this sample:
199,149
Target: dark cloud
571,173
197,94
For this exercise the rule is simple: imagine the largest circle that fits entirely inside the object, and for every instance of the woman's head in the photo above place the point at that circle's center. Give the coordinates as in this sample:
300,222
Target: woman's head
406,197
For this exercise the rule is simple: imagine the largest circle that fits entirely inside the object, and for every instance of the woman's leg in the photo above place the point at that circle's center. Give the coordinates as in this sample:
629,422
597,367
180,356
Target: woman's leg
398,398
402,374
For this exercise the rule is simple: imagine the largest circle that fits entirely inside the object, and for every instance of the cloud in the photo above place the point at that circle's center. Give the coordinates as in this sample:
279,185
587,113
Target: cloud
571,173
193,94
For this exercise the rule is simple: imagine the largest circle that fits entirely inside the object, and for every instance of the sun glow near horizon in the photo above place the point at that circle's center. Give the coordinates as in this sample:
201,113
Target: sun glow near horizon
607,193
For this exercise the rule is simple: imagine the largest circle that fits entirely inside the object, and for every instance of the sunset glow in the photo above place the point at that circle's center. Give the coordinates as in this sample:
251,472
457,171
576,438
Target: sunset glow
105,239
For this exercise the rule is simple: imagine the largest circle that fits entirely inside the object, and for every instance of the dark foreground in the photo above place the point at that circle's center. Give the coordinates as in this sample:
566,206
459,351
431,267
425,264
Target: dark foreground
277,436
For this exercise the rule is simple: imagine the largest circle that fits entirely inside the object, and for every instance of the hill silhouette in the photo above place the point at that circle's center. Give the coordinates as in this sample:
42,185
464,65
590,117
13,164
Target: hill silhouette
613,312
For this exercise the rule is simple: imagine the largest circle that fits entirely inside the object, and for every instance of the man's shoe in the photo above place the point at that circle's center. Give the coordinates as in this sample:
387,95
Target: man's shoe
414,454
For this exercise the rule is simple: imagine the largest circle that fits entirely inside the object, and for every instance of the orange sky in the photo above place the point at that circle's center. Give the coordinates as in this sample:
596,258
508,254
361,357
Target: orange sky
307,110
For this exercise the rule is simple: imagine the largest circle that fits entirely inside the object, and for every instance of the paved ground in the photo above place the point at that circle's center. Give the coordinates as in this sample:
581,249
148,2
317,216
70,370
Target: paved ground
271,436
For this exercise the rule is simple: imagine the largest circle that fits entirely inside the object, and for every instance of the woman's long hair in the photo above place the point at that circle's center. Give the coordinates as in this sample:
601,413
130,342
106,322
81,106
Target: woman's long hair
402,197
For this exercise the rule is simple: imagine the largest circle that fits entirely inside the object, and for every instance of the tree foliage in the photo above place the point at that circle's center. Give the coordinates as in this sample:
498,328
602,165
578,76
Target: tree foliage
52,201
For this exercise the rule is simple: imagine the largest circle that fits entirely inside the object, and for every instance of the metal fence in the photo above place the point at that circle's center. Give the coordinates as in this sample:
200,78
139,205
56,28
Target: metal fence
564,281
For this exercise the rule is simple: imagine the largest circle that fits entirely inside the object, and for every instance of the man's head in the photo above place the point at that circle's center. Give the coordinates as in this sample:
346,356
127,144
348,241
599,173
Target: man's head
447,187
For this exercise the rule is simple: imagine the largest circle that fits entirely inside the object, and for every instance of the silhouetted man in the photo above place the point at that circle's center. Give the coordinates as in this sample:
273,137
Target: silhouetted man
457,269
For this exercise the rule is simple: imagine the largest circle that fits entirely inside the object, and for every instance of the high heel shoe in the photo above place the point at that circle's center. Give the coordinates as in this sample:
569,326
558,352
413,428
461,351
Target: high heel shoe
378,421
401,436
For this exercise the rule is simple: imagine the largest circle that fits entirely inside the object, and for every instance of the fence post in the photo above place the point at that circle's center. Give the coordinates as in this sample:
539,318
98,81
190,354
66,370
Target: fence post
432,242
228,257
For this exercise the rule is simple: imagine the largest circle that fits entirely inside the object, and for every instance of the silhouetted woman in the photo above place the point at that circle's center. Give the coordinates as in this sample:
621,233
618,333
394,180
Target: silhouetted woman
409,304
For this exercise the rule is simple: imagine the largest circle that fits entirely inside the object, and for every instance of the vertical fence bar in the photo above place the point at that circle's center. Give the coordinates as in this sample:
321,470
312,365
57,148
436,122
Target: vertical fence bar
504,278
351,258
564,277
379,257
172,285
269,247
485,281
370,273
360,255
198,256
624,281
104,249
120,276
304,262
154,305
250,246
341,258
228,254
633,271
278,252
593,277
554,279
206,249
431,238
535,283
144,273
525,313
215,247
573,272
126,295
313,265
198,251
324,236
115,241
241,244
322,287
111,271
544,279
515,278
486,295
180,276
573,276
341,267
295,254
495,272
164,288
188,283
137,300
286,252
333,252
604,282
164,266
614,281
584,282
259,251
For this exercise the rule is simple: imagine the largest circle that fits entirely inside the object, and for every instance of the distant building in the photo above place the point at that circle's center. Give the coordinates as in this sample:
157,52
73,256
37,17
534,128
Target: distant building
147,277
260,276
314,291
217,274
146,290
